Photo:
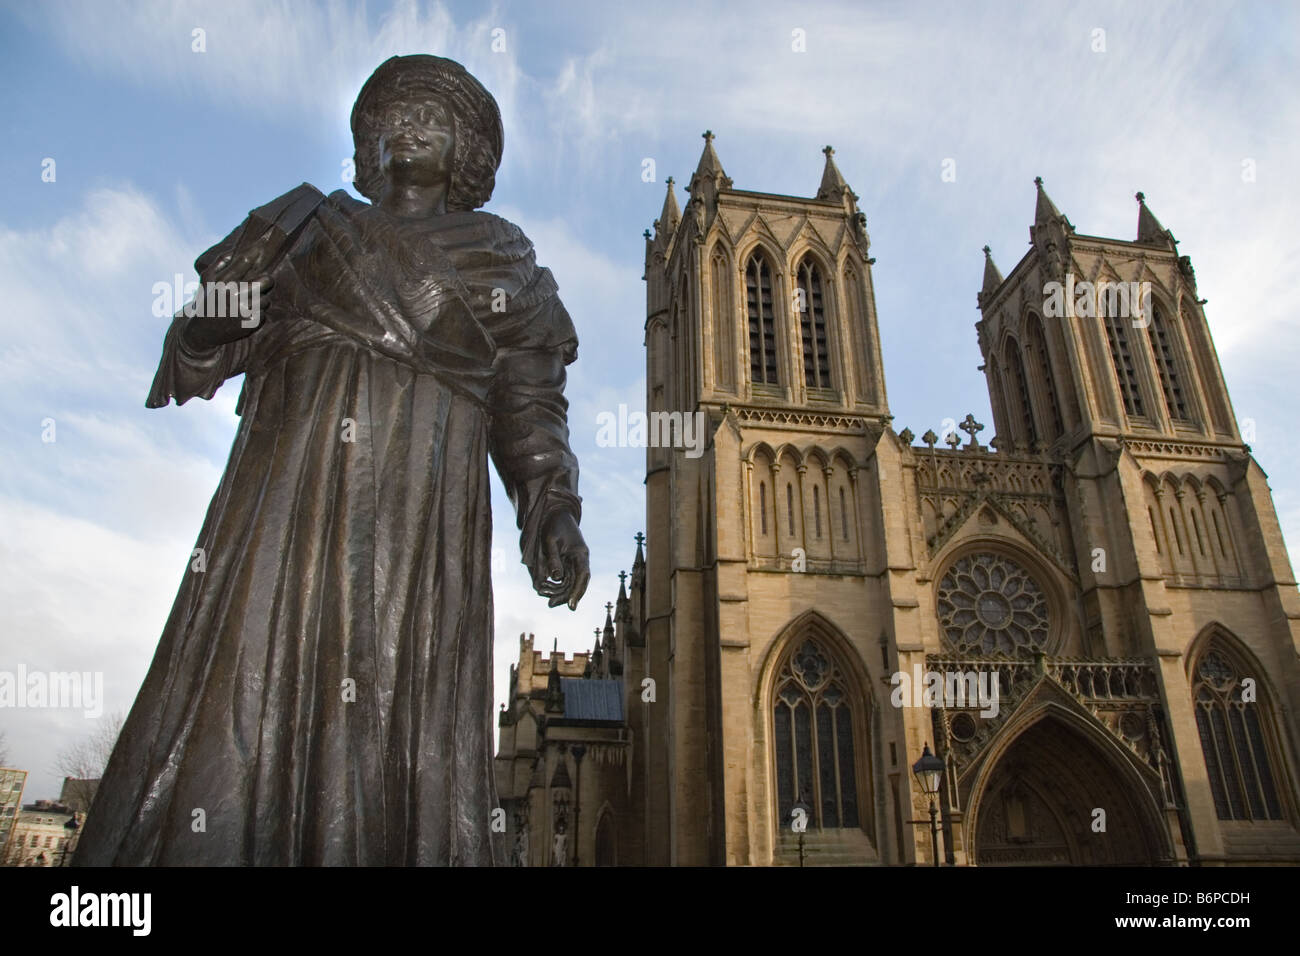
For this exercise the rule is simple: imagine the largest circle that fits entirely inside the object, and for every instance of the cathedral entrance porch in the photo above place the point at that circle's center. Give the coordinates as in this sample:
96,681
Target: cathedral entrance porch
1053,798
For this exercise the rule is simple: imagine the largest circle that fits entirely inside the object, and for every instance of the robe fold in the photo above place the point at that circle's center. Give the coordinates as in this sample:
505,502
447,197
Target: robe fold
322,692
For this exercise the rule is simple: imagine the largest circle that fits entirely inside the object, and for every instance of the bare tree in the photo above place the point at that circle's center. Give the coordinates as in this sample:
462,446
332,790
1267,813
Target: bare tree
82,763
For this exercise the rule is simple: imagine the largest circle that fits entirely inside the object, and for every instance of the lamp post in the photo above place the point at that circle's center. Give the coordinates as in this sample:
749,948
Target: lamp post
929,771
807,812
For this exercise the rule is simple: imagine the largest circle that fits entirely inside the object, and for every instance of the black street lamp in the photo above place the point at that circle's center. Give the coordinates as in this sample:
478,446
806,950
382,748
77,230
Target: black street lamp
929,771
803,821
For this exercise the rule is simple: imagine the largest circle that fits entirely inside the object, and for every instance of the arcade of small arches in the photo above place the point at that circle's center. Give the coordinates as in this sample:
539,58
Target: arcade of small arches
802,499
1189,522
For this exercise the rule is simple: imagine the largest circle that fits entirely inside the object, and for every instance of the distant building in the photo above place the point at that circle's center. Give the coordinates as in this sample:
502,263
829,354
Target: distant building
12,783
564,757
41,835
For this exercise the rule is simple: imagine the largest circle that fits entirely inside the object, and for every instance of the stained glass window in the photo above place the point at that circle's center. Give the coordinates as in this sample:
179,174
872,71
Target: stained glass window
1233,742
815,763
989,604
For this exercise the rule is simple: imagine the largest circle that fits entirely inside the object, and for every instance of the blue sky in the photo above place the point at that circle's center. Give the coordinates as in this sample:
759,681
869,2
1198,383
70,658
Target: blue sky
160,151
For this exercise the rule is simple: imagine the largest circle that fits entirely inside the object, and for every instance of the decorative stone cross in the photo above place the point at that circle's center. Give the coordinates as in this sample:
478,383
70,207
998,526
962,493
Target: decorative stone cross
952,441
622,578
971,428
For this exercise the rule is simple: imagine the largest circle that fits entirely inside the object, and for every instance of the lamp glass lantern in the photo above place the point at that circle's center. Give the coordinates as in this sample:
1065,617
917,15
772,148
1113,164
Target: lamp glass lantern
928,771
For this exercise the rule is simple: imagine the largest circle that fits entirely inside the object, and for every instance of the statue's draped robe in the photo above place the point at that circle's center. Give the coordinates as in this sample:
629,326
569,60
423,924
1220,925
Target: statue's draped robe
322,692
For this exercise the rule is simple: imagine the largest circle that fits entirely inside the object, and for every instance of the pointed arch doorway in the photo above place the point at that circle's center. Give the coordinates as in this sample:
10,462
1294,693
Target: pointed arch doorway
1039,805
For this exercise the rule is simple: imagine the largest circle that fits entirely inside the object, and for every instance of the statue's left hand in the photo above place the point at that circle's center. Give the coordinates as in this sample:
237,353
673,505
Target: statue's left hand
565,564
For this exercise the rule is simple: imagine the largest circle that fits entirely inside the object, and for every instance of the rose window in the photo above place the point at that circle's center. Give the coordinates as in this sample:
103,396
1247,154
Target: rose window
989,604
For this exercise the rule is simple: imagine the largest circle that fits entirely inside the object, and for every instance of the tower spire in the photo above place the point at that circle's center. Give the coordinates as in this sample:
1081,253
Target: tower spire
597,657
710,167
1051,233
1149,228
613,663
621,605
833,185
708,180
992,277
671,215
554,689
1045,210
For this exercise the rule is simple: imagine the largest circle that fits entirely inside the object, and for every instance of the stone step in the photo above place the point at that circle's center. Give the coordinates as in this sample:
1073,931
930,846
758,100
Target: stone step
826,848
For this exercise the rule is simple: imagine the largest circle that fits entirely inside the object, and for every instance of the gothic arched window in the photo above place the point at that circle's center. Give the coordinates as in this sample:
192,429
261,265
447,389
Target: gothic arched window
724,319
1038,343
1163,345
1233,739
860,332
762,322
1121,356
998,396
1017,369
814,739
989,604
812,326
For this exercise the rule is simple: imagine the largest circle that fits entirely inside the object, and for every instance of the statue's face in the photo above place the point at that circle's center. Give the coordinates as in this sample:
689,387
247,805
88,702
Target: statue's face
417,141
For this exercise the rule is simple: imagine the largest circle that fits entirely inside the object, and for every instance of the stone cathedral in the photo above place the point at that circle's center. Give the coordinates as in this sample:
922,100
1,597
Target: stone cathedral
1090,618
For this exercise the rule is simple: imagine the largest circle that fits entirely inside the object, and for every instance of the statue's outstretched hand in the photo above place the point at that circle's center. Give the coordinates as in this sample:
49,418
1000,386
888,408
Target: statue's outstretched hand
565,564
223,313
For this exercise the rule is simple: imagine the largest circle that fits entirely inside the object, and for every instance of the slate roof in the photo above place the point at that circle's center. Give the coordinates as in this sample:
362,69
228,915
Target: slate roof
592,699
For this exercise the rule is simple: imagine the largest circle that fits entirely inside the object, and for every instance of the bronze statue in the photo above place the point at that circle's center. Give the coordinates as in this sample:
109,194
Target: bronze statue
322,692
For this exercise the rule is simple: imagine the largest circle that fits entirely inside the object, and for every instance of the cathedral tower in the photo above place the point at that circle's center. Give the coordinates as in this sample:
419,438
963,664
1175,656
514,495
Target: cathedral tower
1098,355
761,318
